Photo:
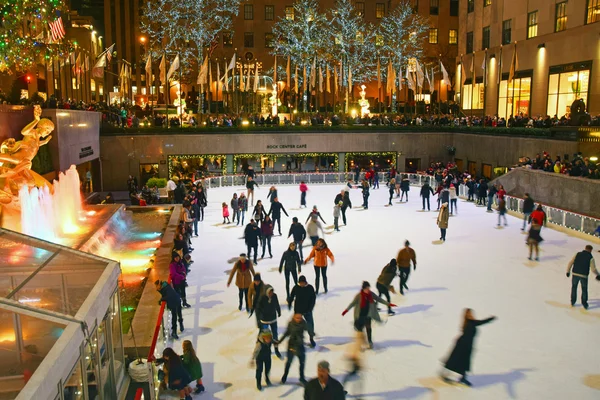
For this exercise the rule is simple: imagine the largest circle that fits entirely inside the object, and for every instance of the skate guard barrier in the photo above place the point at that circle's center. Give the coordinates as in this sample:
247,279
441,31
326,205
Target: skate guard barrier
563,218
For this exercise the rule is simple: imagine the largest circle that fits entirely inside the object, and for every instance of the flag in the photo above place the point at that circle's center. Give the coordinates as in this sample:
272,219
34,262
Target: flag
256,77
288,71
57,29
514,66
410,80
484,68
87,63
203,72
328,79
163,70
335,79
231,63
274,73
122,79
241,86
320,79
350,78
428,80
296,80
210,79
445,77
420,75
463,73
218,78
148,68
304,82
226,79
109,53
98,68
378,75
248,79
174,67
313,74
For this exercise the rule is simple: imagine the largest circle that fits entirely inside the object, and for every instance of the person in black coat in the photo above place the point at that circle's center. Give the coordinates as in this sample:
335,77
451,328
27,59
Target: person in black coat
365,193
178,377
173,300
268,310
261,357
460,357
299,233
290,260
344,197
404,187
426,191
305,297
482,189
528,207
259,212
392,185
251,236
275,213
324,387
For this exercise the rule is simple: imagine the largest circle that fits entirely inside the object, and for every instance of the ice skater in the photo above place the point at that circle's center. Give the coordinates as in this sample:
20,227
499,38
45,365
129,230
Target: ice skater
243,208
344,197
528,206
275,212
442,221
502,211
320,252
261,357
225,213
355,356
299,234
269,310
580,266
250,185
336,215
404,187
259,212
251,237
324,386
303,190
266,233
256,291
403,259
452,191
426,191
243,270
365,193
192,365
460,357
304,298
295,331
391,190
292,264
272,195
365,310
534,239
384,282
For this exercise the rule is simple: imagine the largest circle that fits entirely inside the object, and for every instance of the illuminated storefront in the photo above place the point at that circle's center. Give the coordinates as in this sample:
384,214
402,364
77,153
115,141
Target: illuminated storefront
473,96
567,83
514,98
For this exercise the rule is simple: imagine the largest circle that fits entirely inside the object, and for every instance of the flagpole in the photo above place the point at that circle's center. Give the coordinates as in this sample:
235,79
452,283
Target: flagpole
485,79
473,79
179,96
167,90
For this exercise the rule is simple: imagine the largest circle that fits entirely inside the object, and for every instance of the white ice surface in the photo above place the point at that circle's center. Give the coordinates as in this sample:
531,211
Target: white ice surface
539,348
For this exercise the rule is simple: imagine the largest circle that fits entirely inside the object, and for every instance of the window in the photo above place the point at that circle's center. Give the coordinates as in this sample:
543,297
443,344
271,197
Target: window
360,38
506,32
269,40
248,11
454,8
289,13
434,7
485,38
487,3
433,35
561,17
249,39
453,36
379,40
269,13
593,11
514,98
532,24
227,39
565,87
360,8
470,5
379,10
469,42
473,96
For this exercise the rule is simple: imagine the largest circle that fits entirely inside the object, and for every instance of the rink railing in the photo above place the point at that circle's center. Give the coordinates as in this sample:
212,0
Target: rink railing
311,178
557,216
159,343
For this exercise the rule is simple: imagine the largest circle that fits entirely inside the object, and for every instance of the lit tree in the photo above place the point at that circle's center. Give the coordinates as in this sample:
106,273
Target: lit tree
353,41
186,27
24,33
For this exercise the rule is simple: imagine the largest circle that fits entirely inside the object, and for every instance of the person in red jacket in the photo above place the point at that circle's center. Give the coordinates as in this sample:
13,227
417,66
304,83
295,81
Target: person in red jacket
266,230
537,219
303,190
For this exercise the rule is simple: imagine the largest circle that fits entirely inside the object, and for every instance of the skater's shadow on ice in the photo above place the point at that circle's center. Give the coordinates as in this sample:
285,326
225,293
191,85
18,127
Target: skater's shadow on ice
411,392
289,392
414,309
212,387
556,242
437,242
593,303
334,340
428,289
386,344
555,257
232,260
509,379
209,304
208,293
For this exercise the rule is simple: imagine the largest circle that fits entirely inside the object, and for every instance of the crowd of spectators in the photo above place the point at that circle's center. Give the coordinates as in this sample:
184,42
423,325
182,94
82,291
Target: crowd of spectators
572,166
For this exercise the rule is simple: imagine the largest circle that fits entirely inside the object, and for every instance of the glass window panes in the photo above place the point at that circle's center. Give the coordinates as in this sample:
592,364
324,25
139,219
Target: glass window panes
378,40
487,3
469,42
433,35
73,386
248,11
470,5
269,13
593,11
515,98
561,16
485,38
227,39
452,36
379,10
360,8
454,8
473,96
269,40
289,13
532,24
434,7
564,88
248,39
506,32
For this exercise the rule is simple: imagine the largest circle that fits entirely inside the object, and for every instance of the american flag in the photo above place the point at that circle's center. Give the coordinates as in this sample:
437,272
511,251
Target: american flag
57,29
109,53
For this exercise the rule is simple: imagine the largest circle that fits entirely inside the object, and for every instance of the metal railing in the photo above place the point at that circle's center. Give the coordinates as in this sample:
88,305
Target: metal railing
557,216
311,178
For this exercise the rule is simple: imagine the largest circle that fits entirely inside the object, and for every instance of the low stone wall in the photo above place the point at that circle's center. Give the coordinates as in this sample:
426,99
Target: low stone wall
580,195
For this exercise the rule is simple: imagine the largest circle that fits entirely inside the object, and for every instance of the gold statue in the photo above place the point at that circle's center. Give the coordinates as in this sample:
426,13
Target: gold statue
16,158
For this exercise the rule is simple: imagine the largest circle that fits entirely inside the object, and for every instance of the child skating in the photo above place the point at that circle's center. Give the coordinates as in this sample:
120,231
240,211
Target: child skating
225,213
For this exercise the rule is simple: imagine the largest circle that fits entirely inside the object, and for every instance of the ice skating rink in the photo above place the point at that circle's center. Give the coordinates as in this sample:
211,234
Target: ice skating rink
538,348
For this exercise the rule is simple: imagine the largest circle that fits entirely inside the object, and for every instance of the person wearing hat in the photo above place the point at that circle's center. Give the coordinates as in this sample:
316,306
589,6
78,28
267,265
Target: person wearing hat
384,282
403,259
299,234
269,310
295,331
315,215
305,297
173,302
336,215
255,292
365,310
275,211
251,237
261,357
442,221
243,271
324,387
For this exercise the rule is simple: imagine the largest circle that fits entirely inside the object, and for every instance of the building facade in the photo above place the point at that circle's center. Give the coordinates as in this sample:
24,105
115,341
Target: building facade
557,45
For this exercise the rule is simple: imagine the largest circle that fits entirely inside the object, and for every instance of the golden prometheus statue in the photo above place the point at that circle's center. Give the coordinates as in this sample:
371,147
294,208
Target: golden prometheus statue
16,157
